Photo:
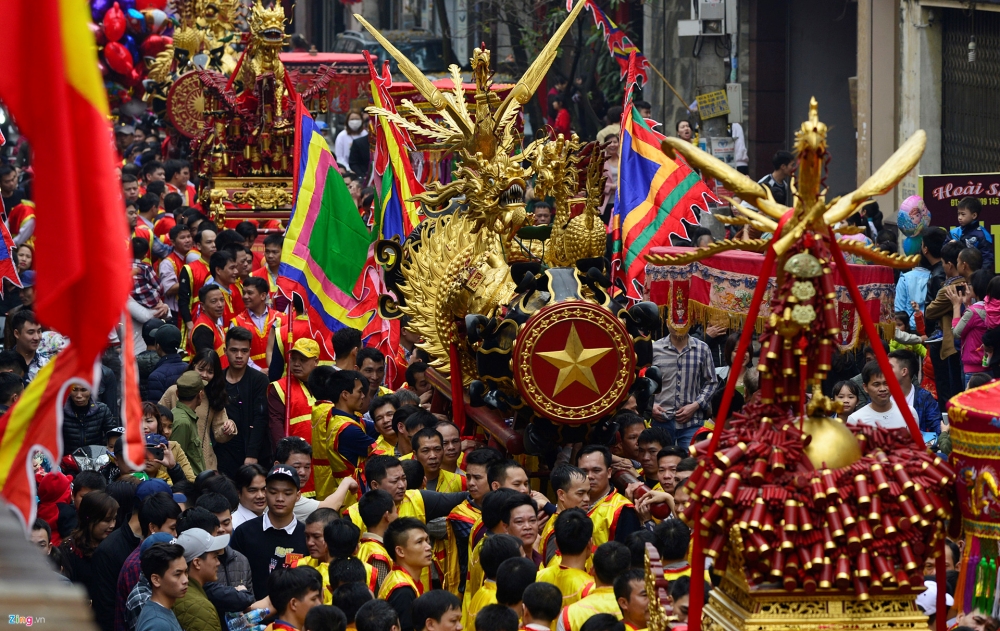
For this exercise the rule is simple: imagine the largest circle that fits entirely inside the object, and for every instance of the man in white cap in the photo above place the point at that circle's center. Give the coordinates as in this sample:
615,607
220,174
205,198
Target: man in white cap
201,551
927,601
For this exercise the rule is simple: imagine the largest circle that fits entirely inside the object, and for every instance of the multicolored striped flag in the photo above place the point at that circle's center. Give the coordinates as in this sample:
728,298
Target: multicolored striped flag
327,242
53,89
396,213
655,196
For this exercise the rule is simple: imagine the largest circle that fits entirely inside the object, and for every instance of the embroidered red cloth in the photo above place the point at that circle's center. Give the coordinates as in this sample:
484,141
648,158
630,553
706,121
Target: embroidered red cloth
718,290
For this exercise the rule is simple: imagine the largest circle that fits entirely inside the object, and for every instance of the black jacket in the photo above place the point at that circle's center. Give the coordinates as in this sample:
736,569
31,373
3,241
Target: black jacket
360,158
107,562
87,428
247,408
164,375
147,360
934,285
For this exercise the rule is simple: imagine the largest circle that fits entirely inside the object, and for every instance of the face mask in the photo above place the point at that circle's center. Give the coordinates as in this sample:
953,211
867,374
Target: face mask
354,124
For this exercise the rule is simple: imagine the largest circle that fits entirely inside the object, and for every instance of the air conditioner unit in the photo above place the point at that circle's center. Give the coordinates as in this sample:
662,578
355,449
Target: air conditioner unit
709,18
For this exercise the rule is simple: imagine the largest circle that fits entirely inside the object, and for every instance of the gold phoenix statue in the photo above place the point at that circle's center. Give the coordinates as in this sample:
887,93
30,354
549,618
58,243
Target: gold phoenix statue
797,329
457,262
810,210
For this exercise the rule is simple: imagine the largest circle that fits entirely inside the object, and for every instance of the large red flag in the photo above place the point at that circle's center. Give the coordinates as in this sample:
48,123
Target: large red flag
52,87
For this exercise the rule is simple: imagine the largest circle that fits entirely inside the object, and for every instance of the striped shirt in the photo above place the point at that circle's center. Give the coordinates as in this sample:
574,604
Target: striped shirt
688,377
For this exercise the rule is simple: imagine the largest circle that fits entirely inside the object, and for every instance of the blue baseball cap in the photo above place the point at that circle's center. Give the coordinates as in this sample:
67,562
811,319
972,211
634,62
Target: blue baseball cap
156,537
27,278
151,486
157,439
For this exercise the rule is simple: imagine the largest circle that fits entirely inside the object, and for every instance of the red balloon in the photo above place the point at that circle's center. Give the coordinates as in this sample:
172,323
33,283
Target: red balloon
118,58
154,45
150,4
114,23
133,78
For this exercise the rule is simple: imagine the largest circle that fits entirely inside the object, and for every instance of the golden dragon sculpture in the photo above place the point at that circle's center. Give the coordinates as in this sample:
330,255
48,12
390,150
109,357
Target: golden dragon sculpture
457,261
267,36
557,175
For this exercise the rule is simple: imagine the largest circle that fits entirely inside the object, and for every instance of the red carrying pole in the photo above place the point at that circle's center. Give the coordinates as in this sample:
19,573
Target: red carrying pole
697,596
872,333
288,368
941,578
697,599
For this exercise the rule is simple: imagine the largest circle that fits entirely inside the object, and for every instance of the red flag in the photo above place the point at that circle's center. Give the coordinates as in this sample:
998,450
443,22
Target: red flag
133,439
35,423
53,89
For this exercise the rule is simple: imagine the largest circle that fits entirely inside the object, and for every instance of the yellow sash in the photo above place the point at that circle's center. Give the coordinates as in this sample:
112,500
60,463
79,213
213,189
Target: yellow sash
605,515
600,600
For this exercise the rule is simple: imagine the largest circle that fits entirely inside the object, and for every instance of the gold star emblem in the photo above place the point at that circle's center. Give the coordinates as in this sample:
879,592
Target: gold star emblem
575,362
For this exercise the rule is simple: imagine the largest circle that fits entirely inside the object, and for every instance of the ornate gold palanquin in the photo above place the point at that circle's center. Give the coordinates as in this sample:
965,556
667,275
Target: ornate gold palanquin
734,606
245,198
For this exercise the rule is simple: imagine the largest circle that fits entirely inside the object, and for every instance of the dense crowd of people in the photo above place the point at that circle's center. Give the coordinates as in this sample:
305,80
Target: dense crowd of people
288,481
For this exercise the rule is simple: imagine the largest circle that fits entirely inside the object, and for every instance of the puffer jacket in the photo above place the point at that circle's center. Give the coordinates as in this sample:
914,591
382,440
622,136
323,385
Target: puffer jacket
146,362
234,570
195,612
88,428
164,375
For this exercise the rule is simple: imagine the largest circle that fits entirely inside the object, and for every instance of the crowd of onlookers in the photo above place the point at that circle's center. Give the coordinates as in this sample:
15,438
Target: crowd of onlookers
288,481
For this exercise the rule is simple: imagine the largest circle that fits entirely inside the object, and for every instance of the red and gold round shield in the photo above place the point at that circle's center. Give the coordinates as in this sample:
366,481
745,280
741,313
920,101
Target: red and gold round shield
186,105
574,362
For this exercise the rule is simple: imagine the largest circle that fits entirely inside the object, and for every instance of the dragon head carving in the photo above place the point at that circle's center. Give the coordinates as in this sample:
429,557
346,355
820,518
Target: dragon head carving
267,26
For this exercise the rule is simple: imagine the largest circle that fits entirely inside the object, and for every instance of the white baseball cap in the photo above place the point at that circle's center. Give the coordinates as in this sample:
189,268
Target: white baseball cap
197,542
927,599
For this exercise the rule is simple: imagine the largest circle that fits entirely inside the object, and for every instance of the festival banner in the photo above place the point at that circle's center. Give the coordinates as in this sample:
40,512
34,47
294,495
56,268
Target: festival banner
396,212
942,193
656,197
327,242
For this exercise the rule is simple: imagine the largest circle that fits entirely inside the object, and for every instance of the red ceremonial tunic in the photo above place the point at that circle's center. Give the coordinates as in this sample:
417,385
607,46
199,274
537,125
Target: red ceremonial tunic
197,272
233,296
219,342
300,409
143,232
272,287
303,328
258,345
162,228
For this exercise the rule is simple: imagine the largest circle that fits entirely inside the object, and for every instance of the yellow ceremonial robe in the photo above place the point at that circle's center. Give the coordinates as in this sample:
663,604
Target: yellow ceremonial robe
398,578
487,595
605,515
573,583
600,600
449,482
451,576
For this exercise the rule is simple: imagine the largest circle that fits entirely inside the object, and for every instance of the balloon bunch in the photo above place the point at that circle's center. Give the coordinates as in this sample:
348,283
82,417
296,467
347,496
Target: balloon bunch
128,31
866,527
